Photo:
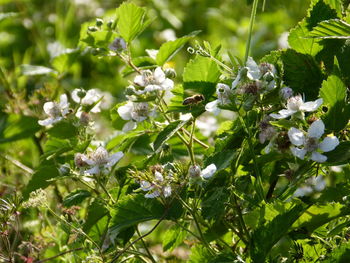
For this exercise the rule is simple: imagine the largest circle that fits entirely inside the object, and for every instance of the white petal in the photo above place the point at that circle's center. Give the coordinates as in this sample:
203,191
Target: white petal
300,153
329,143
48,106
93,170
152,195
158,176
64,101
305,190
139,80
320,183
96,108
167,84
130,125
253,70
75,96
146,186
159,75
316,129
311,105
236,81
152,87
125,111
282,114
114,158
85,159
213,107
208,171
317,157
46,122
296,136
152,53
167,191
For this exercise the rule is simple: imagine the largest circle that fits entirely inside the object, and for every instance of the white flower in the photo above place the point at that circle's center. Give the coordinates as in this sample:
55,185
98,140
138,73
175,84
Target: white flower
224,93
311,142
251,71
157,187
55,111
312,184
87,98
153,81
134,112
99,160
195,171
296,104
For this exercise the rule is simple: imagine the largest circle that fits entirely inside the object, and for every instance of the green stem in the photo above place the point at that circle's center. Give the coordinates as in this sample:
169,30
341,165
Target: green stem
145,246
104,188
251,24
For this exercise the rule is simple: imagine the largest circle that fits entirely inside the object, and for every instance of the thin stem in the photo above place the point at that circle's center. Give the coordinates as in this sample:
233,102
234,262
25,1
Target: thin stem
104,188
240,215
60,254
190,145
145,246
251,24
18,164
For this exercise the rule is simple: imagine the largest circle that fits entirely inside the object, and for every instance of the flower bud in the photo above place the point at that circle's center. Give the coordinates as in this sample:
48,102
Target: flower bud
78,160
99,22
170,73
118,44
110,24
286,93
84,118
92,29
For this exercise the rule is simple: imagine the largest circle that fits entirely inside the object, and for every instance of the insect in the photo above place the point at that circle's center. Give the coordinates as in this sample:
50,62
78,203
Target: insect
193,100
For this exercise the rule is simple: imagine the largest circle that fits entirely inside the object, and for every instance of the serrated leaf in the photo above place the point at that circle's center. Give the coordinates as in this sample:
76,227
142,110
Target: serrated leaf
63,130
201,69
40,179
222,159
331,29
199,254
333,92
76,197
266,236
173,237
340,155
170,48
31,70
213,204
134,209
340,254
167,133
15,127
302,73
95,212
131,20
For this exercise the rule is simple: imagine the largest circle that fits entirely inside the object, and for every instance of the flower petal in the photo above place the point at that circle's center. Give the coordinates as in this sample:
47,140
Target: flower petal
152,195
300,153
167,191
311,105
282,114
317,157
93,170
125,111
159,75
139,80
114,158
316,129
130,125
329,143
296,136
167,84
75,96
253,69
47,121
208,171
213,107
48,106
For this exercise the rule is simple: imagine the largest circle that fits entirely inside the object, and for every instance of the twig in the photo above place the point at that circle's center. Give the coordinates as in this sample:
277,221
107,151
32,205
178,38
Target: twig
18,164
58,255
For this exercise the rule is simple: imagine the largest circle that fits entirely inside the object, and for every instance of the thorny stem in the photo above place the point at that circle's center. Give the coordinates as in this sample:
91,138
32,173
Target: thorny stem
251,24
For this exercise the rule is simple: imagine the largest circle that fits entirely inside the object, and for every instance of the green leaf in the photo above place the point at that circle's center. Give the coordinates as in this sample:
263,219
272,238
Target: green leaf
201,69
4,16
63,130
64,61
214,203
95,212
302,74
340,254
222,159
333,92
76,197
318,215
15,127
173,237
266,236
331,29
167,133
31,70
40,179
199,254
170,48
134,209
340,155
131,20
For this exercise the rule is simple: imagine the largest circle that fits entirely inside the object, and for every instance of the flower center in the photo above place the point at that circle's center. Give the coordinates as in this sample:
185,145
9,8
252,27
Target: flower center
294,103
100,156
55,111
311,144
141,109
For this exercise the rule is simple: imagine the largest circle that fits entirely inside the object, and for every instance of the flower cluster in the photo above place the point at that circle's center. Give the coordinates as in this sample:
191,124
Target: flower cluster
195,171
55,111
97,161
37,198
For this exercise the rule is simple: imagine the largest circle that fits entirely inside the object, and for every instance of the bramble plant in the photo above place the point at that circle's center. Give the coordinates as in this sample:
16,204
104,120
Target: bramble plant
226,159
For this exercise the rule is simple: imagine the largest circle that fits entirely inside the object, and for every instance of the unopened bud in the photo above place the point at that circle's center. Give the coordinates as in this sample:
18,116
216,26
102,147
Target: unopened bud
130,90
118,44
78,160
110,24
99,22
84,118
81,93
92,28
286,93
170,73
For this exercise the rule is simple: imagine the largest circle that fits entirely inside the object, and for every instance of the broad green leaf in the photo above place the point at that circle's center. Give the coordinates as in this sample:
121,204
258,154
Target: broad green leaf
134,209
302,74
76,197
334,92
31,70
173,237
63,130
318,215
40,179
214,203
167,133
95,212
340,155
15,127
170,48
266,236
201,69
64,61
200,254
222,159
334,29
131,20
